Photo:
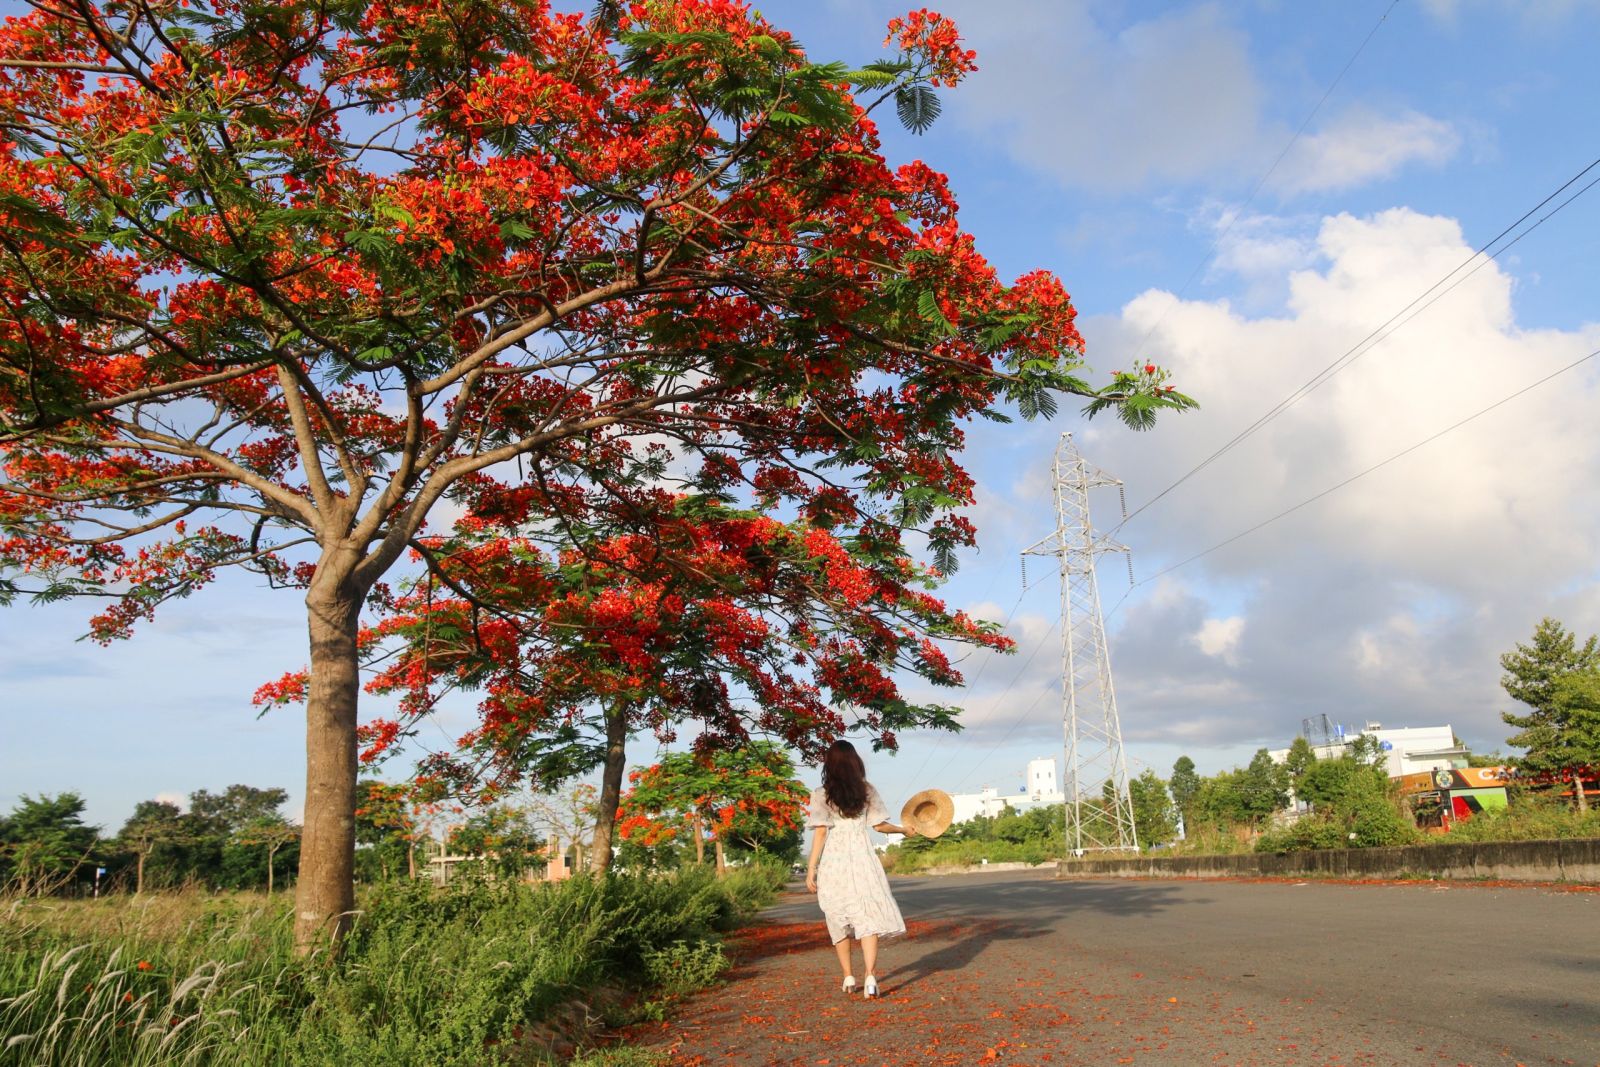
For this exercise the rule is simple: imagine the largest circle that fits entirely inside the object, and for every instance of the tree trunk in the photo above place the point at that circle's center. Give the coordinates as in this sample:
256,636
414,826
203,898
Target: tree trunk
138,875
1583,799
411,859
699,842
605,819
722,867
325,892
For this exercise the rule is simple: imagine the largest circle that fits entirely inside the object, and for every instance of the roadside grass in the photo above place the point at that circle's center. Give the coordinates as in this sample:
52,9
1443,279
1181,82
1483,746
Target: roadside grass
477,973
1527,819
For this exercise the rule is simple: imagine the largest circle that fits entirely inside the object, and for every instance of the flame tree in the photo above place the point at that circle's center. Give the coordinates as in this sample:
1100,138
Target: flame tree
747,794
718,615
278,277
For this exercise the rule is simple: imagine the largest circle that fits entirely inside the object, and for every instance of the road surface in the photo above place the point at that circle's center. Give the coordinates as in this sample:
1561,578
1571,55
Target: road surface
1019,968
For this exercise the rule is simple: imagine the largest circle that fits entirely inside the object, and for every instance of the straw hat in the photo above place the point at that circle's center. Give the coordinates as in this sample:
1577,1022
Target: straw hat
929,812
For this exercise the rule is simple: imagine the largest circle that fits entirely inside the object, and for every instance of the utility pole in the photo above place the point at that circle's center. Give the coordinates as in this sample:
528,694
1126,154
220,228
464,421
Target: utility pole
1099,807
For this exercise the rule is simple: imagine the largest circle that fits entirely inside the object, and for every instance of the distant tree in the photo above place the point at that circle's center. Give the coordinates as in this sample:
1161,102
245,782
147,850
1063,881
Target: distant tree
236,807
1368,751
1154,815
1264,787
1559,681
1301,755
154,824
1327,782
502,837
44,841
215,854
569,817
1184,783
748,794
270,832
386,828
1219,800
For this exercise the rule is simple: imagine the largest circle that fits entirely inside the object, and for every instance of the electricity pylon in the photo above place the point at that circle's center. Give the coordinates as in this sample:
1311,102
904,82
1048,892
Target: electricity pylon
1099,816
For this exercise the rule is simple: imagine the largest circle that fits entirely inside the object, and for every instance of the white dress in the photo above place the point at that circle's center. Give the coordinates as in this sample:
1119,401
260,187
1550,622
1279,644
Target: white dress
852,889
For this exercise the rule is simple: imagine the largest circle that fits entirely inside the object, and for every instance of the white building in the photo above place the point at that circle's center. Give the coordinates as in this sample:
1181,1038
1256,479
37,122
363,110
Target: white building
1038,788
1407,749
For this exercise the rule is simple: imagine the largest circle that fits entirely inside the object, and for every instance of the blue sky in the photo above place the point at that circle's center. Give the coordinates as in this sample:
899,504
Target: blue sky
1118,144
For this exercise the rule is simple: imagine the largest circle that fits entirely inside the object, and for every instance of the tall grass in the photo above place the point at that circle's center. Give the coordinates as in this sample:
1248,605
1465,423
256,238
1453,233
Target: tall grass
1529,818
464,975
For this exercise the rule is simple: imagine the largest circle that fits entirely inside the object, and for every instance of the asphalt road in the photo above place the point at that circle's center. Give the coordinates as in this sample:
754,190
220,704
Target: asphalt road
1023,969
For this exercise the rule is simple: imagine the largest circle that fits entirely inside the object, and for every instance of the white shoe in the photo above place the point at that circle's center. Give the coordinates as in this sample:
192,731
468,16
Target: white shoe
850,984
870,991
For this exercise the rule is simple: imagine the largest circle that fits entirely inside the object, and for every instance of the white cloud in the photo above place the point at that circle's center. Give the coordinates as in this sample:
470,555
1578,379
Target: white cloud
1219,638
1545,12
1114,105
1167,97
177,800
1390,599
1362,146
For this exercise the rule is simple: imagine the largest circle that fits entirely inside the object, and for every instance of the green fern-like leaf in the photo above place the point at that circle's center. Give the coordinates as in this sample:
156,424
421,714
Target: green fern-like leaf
1034,401
928,307
917,106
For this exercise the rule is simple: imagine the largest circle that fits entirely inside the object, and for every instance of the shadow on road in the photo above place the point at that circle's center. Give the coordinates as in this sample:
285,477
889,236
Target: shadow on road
970,943
1044,899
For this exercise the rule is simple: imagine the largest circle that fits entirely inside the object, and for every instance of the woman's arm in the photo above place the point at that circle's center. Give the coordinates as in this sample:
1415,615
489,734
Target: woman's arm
891,828
818,836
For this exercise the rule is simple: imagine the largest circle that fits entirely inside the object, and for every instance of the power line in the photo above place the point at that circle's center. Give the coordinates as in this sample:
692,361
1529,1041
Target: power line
1004,737
1262,181
1377,466
1383,331
934,746
1015,678
1006,621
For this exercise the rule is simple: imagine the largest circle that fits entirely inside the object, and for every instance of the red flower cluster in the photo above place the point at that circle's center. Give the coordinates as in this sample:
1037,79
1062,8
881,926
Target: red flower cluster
936,40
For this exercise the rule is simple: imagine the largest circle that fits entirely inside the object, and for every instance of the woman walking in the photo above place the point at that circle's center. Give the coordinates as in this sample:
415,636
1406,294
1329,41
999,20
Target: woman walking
845,873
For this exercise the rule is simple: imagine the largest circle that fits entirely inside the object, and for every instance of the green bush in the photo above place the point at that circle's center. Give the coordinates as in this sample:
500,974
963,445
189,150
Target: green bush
683,967
1373,816
429,976
970,853
1529,818
1308,834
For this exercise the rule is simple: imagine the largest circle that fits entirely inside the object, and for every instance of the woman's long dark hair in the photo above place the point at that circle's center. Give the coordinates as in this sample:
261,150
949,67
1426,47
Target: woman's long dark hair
844,779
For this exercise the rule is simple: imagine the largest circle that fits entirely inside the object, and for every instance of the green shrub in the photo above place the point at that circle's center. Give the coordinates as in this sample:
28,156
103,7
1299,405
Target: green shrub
1529,818
972,854
1307,834
683,967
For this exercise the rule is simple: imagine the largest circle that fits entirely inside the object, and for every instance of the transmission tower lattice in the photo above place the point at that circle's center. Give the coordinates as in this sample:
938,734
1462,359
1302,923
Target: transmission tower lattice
1099,808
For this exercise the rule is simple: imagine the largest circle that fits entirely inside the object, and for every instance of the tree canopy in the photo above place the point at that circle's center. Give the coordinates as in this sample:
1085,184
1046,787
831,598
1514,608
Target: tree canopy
281,277
1184,783
44,843
749,795
1558,680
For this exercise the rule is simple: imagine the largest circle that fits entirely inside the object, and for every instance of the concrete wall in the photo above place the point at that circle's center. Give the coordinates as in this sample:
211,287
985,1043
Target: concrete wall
1571,860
